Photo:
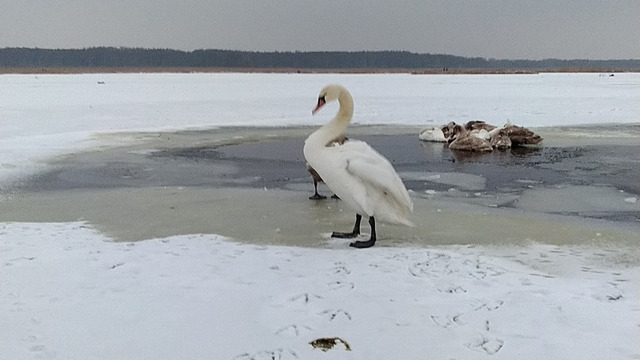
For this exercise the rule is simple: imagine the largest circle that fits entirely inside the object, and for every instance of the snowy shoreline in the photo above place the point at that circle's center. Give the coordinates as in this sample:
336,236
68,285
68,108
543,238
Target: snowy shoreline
201,296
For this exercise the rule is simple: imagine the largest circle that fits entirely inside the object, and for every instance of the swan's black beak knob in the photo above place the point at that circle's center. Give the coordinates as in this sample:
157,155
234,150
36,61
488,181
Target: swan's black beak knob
321,102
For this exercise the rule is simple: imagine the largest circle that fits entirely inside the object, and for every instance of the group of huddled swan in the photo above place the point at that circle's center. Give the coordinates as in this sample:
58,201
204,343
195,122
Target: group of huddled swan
479,136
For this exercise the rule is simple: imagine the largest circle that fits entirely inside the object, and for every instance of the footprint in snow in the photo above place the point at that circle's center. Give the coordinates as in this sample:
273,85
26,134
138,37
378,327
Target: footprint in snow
489,305
293,330
277,354
448,321
340,269
304,298
333,314
341,285
486,344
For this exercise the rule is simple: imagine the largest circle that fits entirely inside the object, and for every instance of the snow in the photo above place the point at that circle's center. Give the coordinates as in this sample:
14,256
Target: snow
68,291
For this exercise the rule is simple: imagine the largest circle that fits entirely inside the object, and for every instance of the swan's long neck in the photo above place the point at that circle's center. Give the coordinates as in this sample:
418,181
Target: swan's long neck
337,126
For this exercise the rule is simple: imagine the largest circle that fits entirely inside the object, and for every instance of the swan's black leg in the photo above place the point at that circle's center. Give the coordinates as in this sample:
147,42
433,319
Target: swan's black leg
372,239
351,235
316,196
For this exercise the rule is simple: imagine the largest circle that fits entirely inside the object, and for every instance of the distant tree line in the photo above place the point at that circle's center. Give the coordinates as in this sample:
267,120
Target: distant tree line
112,57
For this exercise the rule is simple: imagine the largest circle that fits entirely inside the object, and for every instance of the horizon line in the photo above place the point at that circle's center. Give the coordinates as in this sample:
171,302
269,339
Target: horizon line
305,51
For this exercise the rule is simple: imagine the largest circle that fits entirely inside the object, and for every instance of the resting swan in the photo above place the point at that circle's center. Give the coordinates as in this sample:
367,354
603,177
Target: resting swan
464,140
360,176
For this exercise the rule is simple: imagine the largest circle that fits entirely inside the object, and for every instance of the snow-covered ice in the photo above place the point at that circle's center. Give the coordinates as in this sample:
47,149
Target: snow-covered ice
68,291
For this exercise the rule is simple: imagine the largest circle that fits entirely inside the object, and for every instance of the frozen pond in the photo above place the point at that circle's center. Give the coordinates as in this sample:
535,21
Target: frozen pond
91,139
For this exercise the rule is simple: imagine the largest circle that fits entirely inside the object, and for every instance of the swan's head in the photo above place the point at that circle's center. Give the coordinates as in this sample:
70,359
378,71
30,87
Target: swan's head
328,94
458,131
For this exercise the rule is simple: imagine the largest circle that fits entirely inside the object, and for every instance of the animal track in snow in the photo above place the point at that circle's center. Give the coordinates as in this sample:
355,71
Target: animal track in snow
435,266
486,344
341,285
277,354
293,330
453,290
305,298
447,321
475,319
340,269
440,265
490,305
332,314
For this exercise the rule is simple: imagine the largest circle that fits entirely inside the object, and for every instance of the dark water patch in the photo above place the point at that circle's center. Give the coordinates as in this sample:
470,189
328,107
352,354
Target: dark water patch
280,163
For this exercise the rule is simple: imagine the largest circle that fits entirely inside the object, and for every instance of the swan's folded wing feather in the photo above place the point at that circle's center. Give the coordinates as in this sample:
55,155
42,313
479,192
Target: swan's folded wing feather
367,164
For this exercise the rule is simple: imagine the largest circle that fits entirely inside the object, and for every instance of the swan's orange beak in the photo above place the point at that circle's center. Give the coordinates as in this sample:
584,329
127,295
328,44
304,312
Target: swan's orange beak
321,102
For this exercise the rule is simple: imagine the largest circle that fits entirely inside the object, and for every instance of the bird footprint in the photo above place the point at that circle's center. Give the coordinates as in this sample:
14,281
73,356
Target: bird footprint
486,345
292,330
277,354
305,298
335,313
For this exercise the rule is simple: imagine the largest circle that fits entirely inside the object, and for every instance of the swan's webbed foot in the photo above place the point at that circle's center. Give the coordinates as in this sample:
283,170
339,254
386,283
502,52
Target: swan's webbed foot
349,235
334,196
372,240
363,244
345,235
317,196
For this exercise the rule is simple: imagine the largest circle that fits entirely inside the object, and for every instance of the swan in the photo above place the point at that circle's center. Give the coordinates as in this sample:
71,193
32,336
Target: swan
434,134
447,130
522,136
500,140
480,134
463,140
316,177
365,180
478,125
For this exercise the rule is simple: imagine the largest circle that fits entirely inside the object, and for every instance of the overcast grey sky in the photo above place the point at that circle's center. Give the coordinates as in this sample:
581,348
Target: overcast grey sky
515,29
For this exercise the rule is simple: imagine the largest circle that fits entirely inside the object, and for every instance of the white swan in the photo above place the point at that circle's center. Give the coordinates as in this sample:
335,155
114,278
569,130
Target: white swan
433,134
359,175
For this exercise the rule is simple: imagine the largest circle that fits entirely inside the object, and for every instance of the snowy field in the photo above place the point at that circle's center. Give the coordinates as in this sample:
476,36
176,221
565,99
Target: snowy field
69,292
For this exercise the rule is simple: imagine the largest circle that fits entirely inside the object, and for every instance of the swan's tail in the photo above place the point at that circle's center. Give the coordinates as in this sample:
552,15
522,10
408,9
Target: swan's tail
406,222
396,219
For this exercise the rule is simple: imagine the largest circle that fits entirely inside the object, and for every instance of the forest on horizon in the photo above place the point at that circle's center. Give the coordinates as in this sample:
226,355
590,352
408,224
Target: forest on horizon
112,57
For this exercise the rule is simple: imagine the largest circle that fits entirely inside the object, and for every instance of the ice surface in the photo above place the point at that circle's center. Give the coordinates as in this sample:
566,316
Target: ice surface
577,199
460,180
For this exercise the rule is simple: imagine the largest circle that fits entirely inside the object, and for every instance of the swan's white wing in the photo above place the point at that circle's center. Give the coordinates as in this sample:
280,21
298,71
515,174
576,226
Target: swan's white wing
434,134
373,169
